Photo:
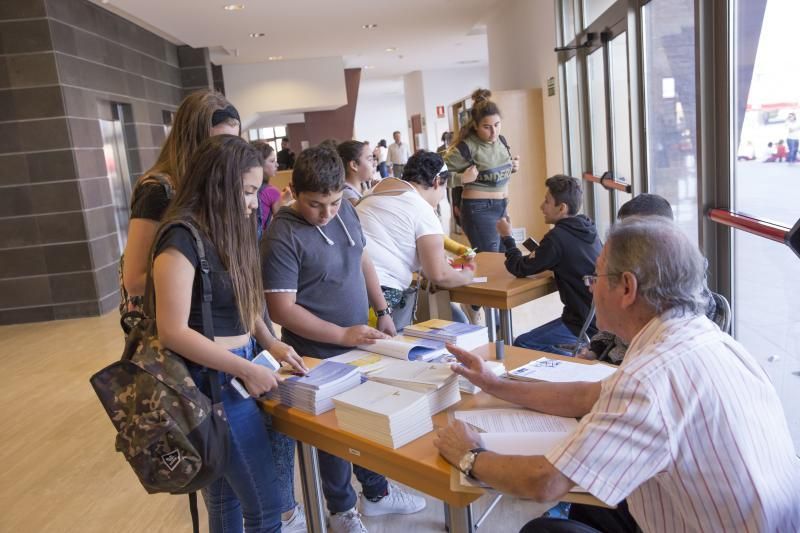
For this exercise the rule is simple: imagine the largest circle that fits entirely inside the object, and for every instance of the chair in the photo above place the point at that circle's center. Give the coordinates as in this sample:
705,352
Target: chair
583,338
723,317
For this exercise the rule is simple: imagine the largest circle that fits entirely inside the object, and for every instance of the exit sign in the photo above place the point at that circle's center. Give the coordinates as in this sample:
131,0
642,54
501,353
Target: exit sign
440,111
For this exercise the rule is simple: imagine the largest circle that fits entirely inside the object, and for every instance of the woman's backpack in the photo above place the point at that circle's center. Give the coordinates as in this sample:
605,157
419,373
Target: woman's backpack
174,437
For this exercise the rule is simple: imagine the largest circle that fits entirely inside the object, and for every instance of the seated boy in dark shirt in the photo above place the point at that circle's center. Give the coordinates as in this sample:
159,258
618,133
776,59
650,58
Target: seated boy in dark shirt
570,250
319,283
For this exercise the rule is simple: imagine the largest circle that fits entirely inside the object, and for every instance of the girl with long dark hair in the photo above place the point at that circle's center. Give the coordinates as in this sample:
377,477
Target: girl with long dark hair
219,197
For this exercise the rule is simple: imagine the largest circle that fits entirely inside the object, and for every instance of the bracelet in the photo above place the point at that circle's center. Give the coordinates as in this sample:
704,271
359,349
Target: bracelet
384,312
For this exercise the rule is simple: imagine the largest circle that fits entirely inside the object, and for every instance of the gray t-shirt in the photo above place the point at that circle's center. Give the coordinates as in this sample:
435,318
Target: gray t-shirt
323,266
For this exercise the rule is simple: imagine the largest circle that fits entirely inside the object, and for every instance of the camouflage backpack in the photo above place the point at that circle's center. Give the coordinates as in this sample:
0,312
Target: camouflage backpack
174,437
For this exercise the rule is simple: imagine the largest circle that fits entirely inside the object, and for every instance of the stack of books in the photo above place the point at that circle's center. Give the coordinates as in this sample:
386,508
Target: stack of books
388,415
314,392
436,381
466,336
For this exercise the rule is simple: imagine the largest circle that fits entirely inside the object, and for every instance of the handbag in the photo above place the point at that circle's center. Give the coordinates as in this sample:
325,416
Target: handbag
175,438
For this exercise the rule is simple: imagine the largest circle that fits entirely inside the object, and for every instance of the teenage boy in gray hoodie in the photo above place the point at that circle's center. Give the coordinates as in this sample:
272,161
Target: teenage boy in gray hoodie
319,283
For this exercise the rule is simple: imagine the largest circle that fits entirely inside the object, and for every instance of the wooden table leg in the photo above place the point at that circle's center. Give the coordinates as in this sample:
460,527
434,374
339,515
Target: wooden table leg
459,519
312,487
506,328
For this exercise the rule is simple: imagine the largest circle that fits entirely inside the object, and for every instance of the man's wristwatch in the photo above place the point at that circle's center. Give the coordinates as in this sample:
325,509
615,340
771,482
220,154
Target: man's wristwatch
467,462
384,312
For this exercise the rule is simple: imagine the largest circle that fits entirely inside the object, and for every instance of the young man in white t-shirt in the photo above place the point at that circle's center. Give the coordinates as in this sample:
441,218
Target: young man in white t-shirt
404,235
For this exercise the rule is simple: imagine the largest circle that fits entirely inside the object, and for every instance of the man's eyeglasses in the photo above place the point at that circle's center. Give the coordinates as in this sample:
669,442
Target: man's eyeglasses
591,279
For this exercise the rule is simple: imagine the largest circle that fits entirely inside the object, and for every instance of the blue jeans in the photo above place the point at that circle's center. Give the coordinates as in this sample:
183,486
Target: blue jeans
339,493
283,455
792,146
249,488
546,337
478,220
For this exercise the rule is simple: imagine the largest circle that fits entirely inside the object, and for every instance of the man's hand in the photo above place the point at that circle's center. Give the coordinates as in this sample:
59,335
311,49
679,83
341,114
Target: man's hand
503,226
283,353
361,334
515,163
456,440
386,325
469,175
472,368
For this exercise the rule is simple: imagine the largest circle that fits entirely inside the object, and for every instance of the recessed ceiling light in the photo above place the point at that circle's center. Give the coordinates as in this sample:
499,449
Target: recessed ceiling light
255,35
275,58
391,49
368,67
369,26
233,7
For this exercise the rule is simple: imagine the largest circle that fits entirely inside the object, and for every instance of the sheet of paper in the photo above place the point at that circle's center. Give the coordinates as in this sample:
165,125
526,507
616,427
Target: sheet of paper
558,371
482,279
516,420
366,362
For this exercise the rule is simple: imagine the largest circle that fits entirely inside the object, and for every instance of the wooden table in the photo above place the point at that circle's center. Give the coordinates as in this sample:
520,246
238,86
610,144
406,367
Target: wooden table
417,464
502,291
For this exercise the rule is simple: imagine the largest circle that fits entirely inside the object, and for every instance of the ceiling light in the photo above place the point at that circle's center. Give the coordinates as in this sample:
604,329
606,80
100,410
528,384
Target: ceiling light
391,49
233,7
275,58
369,26
255,35
368,67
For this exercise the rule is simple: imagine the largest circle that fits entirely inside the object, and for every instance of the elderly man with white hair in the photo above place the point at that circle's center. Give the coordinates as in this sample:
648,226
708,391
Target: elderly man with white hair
689,429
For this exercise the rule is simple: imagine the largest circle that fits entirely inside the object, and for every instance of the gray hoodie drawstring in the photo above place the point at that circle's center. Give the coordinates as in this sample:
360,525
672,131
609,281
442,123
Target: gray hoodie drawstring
329,241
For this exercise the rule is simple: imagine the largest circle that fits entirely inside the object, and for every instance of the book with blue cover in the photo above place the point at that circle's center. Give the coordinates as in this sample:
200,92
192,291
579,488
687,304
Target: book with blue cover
467,336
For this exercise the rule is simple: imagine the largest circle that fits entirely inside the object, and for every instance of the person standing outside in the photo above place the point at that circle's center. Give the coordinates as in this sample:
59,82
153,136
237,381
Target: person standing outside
398,155
792,137
285,156
481,161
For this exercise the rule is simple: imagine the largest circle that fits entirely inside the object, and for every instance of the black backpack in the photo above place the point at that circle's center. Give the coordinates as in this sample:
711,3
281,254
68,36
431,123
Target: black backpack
175,437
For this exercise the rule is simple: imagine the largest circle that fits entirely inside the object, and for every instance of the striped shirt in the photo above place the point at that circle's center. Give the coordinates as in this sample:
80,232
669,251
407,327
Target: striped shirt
691,431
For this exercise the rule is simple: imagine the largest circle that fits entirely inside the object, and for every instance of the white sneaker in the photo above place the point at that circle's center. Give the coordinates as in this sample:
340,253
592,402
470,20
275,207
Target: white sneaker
346,522
398,501
475,316
296,523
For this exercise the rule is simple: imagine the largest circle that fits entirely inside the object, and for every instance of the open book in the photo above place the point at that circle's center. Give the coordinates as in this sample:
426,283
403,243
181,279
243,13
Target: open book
406,348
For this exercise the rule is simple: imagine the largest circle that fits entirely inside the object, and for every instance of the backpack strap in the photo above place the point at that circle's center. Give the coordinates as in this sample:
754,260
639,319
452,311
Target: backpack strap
194,513
205,301
505,143
463,149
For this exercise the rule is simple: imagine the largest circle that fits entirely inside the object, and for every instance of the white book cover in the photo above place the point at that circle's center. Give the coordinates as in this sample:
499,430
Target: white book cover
381,399
560,371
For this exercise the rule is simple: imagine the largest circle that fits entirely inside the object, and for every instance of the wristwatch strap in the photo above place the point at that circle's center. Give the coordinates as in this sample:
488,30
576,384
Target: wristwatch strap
475,452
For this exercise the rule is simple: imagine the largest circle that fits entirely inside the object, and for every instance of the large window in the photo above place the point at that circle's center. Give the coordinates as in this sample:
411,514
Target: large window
766,185
272,135
670,104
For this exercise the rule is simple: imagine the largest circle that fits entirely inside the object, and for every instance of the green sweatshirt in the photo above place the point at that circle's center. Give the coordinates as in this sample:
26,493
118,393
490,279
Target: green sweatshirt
492,160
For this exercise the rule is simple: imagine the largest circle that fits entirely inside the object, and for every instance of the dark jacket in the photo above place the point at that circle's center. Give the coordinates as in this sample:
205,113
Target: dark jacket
570,250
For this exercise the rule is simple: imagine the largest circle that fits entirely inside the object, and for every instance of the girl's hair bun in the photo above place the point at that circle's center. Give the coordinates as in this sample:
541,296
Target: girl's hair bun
480,95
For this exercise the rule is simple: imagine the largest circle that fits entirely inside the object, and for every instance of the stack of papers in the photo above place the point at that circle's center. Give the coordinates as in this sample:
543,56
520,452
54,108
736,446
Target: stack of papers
406,348
467,336
388,415
313,392
436,381
559,371
516,431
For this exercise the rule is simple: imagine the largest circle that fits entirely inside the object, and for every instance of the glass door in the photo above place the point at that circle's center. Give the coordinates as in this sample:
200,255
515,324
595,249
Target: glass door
597,103
765,185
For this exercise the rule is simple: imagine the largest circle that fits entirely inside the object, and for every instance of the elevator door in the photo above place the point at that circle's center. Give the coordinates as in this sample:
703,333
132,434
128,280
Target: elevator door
119,179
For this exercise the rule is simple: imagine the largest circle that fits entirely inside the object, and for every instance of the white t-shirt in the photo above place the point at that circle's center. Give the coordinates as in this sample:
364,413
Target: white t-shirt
381,152
391,225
